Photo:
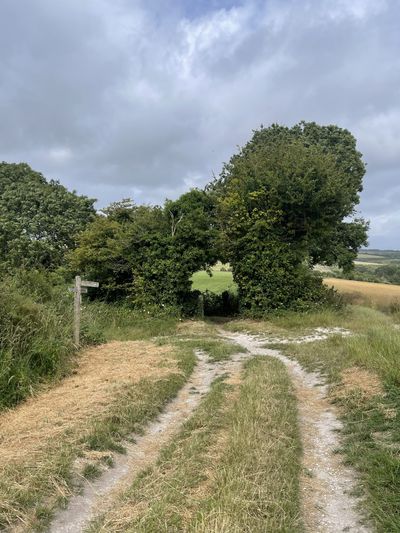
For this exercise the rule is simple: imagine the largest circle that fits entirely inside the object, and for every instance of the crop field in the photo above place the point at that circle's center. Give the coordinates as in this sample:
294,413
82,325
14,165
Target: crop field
366,293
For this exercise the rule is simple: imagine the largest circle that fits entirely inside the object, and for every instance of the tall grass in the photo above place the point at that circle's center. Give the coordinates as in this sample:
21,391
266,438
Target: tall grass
35,338
36,315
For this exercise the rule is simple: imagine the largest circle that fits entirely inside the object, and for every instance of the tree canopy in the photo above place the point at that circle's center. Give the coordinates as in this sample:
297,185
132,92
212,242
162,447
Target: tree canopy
285,203
39,220
147,254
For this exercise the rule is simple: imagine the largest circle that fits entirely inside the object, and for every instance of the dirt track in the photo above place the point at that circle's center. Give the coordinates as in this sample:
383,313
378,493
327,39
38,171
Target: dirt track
327,486
144,452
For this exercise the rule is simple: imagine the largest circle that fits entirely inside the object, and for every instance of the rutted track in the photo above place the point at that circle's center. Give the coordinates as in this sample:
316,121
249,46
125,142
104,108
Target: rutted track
327,485
145,450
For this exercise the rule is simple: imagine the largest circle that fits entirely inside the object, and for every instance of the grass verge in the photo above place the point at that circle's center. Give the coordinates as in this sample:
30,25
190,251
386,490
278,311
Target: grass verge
233,467
219,282
364,372
31,488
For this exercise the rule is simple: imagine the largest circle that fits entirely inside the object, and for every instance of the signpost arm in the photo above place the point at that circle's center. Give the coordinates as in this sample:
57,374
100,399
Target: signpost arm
77,310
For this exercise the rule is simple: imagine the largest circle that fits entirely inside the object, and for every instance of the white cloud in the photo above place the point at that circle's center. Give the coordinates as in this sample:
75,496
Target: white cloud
60,154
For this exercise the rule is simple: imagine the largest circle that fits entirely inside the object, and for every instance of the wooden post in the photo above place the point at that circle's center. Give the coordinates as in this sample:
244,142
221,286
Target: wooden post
77,310
201,306
80,287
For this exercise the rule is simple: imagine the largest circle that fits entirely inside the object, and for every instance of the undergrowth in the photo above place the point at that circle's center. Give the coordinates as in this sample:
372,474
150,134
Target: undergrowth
36,316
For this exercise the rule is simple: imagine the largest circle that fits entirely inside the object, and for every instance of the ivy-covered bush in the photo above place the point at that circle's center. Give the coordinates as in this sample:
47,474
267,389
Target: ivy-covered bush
285,203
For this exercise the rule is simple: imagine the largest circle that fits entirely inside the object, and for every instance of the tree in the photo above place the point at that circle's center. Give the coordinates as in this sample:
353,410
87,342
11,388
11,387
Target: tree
101,255
285,202
149,253
39,220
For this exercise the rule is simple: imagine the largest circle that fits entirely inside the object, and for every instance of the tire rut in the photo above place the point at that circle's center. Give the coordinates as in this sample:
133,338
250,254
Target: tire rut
327,485
97,495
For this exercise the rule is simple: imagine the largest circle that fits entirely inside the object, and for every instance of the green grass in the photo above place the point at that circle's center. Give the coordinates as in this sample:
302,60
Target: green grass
32,491
234,466
36,344
35,340
103,322
355,318
216,349
219,282
371,435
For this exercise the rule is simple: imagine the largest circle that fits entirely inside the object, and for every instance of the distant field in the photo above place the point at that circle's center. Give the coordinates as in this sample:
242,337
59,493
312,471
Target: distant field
219,281
366,263
360,292
363,292
368,257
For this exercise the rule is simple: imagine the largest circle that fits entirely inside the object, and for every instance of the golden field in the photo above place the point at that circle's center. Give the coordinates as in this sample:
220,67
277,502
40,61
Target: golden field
366,293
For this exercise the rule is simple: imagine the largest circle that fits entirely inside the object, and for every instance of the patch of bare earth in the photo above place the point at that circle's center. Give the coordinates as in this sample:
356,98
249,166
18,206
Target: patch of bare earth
101,372
327,485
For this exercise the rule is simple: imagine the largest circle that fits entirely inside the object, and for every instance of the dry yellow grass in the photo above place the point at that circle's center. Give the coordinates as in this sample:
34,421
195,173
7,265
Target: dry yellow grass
364,292
44,442
101,372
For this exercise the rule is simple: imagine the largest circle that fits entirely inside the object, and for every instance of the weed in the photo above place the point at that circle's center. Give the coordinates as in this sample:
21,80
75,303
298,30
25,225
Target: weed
91,471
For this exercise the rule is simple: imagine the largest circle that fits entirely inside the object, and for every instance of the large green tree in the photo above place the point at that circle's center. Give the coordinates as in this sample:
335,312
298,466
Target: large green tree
40,220
147,254
286,201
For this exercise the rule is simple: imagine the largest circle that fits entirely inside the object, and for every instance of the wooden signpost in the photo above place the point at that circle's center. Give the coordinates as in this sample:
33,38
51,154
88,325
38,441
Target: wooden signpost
78,290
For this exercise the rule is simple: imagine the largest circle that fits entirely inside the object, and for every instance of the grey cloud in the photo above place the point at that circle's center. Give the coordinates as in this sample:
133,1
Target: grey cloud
144,99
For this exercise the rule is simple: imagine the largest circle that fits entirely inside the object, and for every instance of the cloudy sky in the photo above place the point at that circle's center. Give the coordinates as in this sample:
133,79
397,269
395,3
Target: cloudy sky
144,99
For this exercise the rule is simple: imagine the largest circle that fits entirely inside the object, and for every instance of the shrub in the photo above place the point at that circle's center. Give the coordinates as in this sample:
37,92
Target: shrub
35,335
225,304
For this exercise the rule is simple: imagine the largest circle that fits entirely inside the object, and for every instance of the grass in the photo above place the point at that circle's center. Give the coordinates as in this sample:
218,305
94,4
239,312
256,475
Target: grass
219,282
36,343
104,322
201,335
289,323
216,349
233,467
371,438
34,484
364,373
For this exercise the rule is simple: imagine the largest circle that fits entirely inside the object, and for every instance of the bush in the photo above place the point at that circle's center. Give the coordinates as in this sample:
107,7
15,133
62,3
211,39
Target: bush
35,335
225,304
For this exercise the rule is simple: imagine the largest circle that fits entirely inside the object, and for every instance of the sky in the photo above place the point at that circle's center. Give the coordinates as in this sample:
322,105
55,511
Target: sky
145,99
